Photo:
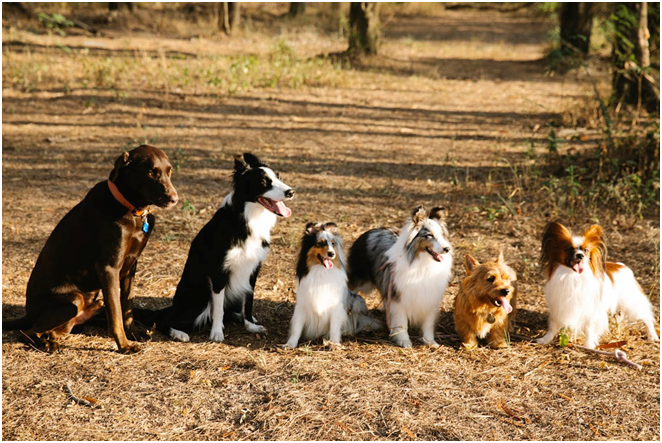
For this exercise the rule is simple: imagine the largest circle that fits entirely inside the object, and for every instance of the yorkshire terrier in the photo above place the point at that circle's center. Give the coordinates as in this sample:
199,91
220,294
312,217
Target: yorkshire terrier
485,305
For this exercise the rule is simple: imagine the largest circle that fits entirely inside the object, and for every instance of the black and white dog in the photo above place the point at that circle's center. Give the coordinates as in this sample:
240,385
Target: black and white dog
325,305
411,269
225,257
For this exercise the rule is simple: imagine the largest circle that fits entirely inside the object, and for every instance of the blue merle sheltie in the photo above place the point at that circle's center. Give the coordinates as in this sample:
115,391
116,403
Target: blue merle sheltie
325,306
225,257
411,269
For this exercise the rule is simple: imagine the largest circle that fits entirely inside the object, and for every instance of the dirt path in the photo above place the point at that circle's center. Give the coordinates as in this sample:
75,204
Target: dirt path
456,114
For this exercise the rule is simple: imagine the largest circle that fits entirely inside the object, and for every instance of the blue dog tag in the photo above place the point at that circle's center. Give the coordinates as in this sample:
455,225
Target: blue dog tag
145,226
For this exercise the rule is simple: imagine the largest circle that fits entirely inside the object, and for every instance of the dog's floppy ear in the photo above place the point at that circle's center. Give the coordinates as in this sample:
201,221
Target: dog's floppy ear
313,227
252,160
438,213
121,162
331,227
470,263
418,215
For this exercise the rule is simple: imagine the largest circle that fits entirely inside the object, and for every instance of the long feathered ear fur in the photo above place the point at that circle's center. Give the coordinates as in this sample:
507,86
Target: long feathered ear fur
594,242
556,238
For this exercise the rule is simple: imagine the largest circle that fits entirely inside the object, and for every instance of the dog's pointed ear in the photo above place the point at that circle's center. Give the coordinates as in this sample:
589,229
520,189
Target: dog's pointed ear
500,259
313,227
121,162
438,213
240,165
470,263
331,227
418,215
252,160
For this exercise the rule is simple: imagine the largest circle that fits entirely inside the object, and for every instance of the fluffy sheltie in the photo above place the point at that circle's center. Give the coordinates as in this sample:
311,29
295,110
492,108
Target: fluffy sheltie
583,289
325,306
486,302
226,255
410,268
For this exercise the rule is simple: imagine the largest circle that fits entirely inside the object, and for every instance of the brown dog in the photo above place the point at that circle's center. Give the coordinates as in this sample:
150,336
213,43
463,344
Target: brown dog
95,247
486,302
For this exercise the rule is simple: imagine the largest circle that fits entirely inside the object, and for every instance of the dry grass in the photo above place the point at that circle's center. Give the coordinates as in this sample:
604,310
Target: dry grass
455,115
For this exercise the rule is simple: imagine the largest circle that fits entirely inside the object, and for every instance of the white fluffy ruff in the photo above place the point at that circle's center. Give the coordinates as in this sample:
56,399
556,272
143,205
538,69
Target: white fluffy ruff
321,294
422,283
583,302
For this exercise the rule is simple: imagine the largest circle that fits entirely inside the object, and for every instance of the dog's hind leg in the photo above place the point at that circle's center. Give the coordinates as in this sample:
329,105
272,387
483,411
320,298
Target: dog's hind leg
58,319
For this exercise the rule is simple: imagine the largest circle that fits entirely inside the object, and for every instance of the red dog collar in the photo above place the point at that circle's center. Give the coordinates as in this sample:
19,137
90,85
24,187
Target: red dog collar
120,198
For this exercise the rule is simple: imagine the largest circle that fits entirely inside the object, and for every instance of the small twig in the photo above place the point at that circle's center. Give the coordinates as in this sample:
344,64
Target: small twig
80,401
618,355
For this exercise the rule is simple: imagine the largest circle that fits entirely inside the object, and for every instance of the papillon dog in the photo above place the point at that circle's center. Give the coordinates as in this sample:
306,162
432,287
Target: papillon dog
411,269
325,306
583,289
225,257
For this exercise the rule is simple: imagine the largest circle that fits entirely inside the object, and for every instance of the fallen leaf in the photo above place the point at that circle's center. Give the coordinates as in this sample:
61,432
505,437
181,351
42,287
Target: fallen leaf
411,434
616,344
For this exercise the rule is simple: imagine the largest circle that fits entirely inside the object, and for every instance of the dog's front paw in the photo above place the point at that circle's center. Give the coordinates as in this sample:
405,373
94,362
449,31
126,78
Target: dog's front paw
129,349
542,341
430,342
289,345
178,335
253,328
217,336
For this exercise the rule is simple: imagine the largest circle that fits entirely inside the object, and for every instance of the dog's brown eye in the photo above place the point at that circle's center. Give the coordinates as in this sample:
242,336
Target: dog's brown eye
169,172
151,174
491,279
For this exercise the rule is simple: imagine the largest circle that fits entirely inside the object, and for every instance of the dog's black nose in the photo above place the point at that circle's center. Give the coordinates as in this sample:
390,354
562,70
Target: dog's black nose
579,256
505,291
331,254
174,198
289,193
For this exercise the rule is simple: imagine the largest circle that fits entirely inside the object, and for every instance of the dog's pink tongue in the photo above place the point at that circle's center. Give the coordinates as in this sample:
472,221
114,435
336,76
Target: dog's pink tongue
578,267
282,209
328,264
505,305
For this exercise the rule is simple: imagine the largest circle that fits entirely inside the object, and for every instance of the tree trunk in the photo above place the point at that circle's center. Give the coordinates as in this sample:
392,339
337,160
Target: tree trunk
576,20
631,81
297,9
364,28
228,15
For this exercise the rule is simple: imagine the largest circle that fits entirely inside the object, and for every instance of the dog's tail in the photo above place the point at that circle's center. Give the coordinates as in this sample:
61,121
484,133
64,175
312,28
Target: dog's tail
18,324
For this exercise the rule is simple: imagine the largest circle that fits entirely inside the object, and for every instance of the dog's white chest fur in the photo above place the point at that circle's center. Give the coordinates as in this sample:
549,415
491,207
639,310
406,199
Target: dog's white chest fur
421,285
574,299
319,295
322,289
242,260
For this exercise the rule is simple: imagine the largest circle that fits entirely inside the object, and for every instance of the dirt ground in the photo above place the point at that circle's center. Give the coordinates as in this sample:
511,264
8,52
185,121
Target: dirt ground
455,114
